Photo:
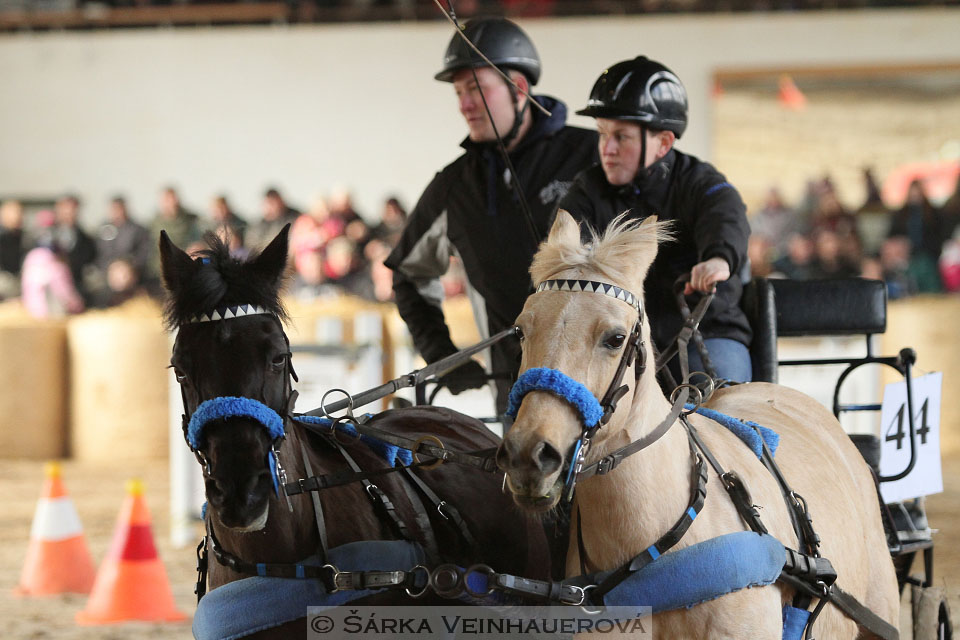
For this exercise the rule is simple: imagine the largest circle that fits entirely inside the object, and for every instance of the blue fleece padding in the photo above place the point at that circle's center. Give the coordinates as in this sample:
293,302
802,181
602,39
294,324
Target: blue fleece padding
744,430
243,607
389,452
232,407
794,622
560,384
702,572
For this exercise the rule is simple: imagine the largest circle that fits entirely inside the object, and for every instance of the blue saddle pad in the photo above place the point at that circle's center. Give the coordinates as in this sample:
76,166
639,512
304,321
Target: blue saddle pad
253,604
701,572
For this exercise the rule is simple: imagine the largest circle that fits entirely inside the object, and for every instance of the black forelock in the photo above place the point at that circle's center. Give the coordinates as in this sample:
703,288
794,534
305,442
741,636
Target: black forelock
221,280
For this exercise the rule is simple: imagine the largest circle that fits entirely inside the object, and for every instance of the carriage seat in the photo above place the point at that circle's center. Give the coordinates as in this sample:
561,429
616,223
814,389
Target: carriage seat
777,307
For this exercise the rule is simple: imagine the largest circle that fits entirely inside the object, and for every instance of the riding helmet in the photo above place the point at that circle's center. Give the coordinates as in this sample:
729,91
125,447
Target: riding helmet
502,41
641,90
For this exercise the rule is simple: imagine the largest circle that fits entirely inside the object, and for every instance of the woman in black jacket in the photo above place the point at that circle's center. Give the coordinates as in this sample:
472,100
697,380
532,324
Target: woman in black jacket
641,110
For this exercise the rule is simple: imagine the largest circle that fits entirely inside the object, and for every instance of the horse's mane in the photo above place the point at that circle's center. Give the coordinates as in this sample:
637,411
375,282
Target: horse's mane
612,253
221,280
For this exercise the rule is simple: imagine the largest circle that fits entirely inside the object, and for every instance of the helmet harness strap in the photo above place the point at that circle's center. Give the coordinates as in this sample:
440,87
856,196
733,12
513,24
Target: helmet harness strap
501,143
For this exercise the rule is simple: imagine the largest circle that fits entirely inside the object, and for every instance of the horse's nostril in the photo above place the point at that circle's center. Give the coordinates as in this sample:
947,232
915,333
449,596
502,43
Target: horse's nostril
546,457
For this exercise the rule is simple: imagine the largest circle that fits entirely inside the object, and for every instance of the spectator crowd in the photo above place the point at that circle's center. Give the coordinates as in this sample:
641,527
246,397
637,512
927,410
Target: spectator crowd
914,248
56,267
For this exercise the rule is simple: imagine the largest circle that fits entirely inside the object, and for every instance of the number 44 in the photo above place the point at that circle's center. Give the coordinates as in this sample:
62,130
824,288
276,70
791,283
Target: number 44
896,433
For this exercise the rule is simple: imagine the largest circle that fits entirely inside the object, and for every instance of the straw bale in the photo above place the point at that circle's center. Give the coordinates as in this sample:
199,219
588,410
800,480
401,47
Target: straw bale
119,384
33,360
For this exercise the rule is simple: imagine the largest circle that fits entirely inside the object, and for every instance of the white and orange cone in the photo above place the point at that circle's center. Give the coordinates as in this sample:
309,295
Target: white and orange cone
132,582
58,560
789,95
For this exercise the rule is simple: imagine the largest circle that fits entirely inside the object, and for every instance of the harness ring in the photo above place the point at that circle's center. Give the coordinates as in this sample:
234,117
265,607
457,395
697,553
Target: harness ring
336,572
422,440
323,403
692,387
348,419
488,571
413,572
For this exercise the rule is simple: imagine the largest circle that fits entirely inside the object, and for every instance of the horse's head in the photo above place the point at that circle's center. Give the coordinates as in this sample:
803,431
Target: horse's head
231,358
577,332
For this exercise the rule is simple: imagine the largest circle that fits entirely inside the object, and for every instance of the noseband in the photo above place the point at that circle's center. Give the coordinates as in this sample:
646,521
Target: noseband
593,413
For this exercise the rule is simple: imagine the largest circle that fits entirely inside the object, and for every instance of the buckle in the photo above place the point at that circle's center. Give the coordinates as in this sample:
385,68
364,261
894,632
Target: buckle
606,464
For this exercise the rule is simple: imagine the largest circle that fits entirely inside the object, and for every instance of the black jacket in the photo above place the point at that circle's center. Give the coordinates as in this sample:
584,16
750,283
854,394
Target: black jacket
470,210
709,221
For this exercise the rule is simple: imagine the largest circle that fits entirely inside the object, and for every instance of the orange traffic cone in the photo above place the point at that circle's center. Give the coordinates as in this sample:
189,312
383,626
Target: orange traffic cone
57,559
789,95
132,582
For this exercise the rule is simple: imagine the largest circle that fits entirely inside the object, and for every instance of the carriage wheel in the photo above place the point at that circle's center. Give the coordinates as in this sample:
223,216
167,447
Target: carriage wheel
931,614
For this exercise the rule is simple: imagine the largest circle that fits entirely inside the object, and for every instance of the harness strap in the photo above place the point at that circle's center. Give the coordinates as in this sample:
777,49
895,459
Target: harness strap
317,506
849,605
446,510
377,496
734,486
610,461
669,539
422,520
616,391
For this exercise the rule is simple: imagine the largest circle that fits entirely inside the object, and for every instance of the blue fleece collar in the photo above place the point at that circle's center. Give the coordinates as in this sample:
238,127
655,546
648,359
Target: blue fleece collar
559,384
390,452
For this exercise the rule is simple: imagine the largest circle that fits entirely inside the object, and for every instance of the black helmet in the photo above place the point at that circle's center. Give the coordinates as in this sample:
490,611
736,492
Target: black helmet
640,90
500,40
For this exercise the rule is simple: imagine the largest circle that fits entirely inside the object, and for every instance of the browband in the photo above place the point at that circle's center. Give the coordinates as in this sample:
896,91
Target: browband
226,313
592,286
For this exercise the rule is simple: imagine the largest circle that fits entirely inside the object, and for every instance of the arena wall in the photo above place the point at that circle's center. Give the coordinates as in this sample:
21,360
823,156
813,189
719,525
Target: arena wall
310,107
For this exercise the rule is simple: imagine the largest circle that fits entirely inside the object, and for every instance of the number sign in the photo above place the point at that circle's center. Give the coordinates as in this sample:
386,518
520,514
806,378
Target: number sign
895,444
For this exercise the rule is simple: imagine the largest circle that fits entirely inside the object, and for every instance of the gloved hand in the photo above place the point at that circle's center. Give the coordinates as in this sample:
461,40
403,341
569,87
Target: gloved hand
469,375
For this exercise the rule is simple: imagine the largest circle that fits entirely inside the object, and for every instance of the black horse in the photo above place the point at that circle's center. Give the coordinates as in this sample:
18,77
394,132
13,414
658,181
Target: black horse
231,351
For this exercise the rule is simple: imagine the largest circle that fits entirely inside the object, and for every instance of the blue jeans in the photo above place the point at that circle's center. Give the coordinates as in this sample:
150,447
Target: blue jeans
730,358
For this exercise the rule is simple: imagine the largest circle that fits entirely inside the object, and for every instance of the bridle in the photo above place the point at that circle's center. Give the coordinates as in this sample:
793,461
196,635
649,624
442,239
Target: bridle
222,407
593,413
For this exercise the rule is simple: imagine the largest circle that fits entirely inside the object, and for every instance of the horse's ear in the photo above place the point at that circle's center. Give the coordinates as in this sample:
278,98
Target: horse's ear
565,230
176,266
271,264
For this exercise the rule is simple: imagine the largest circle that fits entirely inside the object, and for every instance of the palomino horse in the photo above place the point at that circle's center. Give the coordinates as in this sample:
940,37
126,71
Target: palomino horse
583,335
231,351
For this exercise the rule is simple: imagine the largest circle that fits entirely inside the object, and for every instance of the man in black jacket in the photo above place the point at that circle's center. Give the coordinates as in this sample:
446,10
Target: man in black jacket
641,110
473,208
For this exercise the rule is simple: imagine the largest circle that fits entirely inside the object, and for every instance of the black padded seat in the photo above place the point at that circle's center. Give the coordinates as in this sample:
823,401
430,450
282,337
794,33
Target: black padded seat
843,306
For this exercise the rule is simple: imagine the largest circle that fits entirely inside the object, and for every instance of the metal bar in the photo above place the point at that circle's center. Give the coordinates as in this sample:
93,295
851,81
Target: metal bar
438,368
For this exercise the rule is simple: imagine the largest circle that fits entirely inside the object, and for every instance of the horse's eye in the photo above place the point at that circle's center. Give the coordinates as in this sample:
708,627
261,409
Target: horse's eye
614,342
279,361
180,375
519,333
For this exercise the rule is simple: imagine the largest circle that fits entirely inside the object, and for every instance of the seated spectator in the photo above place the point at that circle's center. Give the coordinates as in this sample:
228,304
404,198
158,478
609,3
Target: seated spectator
123,283
276,213
873,217
122,238
391,223
79,249
950,265
923,226
798,263
181,224
226,223
12,248
48,289
830,259
343,270
341,205
895,267
775,222
761,252
313,230
951,212
309,281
